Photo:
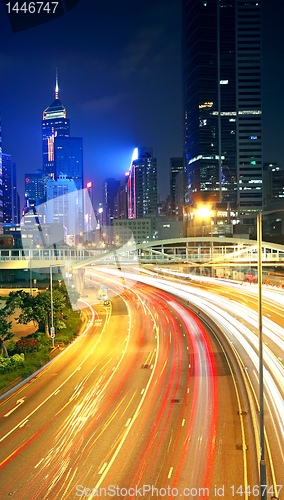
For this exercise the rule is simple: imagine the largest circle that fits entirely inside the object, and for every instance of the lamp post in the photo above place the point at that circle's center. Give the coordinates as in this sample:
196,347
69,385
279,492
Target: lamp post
259,272
261,403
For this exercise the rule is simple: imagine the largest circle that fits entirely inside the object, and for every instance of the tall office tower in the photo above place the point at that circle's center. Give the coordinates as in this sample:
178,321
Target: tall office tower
120,201
35,186
54,124
1,182
10,194
68,156
176,167
222,102
62,204
142,184
110,188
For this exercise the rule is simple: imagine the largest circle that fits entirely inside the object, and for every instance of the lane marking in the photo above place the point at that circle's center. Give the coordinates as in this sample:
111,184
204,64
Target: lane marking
23,423
170,473
128,422
142,391
183,422
18,404
103,468
39,463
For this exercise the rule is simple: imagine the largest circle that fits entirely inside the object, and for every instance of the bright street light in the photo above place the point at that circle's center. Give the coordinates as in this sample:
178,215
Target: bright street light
203,212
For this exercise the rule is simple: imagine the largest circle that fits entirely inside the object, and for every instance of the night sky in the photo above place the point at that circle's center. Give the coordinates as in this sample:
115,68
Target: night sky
119,67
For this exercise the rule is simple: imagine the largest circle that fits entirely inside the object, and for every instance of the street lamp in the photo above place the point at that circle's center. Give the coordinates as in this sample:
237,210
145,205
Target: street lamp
261,404
259,272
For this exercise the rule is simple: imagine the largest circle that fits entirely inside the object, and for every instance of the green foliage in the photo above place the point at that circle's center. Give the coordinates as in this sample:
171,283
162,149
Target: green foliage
70,294
71,329
11,347
26,345
38,308
7,364
5,333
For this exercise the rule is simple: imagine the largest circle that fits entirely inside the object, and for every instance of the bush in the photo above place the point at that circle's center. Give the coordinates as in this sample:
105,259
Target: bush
26,345
11,347
15,361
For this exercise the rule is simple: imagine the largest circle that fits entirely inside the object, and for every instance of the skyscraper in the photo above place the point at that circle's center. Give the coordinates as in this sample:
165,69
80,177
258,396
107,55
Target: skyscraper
110,189
1,188
62,204
68,156
222,102
35,186
62,154
176,168
10,194
54,124
142,184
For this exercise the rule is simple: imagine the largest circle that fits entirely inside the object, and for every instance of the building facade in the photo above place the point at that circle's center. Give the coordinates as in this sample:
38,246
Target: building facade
222,112
11,202
1,182
132,231
142,199
54,124
176,176
62,204
35,186
109,193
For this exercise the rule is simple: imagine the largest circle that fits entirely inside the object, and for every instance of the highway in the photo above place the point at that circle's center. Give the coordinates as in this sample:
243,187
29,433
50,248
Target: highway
233,308
145,398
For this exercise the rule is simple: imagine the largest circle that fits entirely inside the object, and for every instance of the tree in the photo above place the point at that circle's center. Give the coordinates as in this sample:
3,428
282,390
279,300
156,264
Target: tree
71,295
37,309
5,333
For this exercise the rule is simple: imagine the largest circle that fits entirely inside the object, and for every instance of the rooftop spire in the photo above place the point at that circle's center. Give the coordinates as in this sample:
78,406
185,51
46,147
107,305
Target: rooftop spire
56,85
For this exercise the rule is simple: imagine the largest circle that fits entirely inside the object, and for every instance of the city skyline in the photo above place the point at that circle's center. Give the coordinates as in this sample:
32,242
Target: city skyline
126,91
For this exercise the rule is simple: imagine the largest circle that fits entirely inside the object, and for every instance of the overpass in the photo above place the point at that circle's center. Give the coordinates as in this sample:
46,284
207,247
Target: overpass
200,251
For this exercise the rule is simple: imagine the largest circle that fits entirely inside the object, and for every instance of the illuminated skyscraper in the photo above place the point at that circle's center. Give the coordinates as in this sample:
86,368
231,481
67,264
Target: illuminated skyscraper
142,184
222,102
1,188
10,194
62,204
54,124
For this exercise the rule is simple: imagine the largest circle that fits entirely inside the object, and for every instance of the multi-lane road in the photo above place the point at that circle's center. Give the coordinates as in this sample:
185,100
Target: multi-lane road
145,403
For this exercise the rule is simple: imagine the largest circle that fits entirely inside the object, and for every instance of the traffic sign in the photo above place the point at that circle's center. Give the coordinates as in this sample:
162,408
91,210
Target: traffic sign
52,332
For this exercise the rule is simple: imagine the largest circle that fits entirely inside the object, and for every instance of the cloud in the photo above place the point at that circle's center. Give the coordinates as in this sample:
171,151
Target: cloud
104,104
138,54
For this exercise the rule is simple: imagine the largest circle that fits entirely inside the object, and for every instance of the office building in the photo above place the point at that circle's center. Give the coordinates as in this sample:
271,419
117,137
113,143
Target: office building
62,204
35,186
176,176
11,201
132,231
110,189
1,182
222,104
142,184
54,124
68,156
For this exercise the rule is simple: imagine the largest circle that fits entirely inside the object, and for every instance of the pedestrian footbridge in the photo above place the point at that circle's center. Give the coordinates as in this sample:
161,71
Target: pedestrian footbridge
200,251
